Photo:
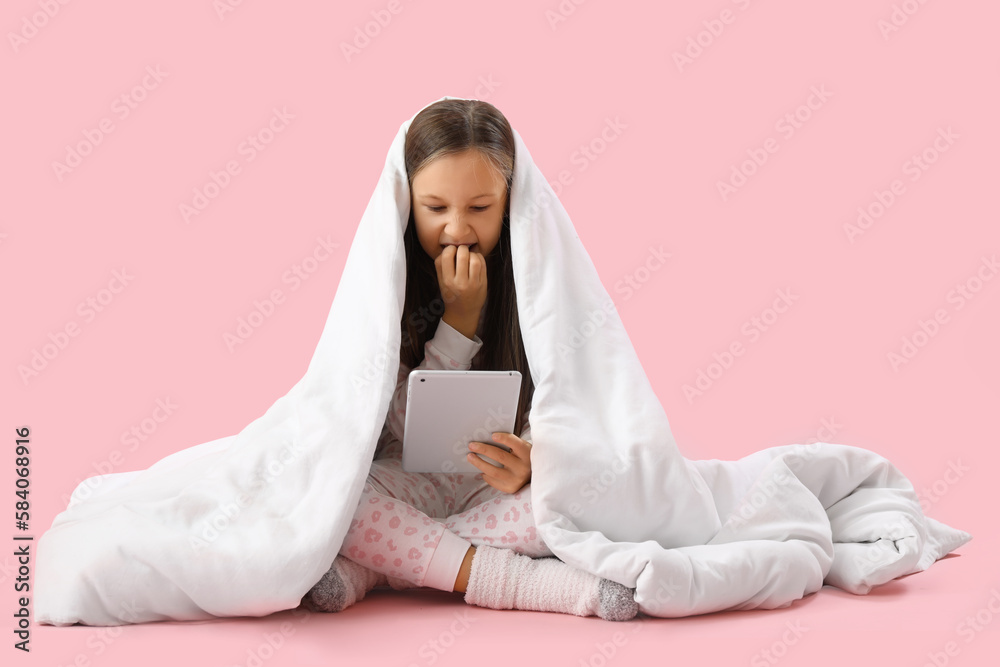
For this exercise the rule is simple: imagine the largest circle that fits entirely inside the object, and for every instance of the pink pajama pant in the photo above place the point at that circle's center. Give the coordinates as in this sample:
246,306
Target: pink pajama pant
395,532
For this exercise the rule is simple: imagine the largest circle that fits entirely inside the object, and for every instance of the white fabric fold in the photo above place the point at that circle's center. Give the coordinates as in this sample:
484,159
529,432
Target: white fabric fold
245,525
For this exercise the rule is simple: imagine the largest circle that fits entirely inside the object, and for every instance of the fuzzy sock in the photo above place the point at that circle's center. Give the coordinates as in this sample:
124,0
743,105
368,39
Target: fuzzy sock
504,579
345,583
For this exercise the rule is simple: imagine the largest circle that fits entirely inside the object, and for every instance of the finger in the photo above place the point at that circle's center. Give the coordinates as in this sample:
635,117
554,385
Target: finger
474,264
476,461
505,484
448,263
498,454
520,448
486,466
490,478
480,267
462,262
514,473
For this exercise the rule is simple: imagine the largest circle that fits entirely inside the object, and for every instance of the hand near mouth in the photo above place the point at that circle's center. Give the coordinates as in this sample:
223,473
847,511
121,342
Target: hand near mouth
461,275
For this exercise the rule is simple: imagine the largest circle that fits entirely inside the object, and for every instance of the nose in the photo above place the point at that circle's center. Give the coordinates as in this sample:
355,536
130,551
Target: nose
457,229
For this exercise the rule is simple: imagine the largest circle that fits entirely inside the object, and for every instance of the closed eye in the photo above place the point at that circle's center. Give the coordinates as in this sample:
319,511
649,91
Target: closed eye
478,209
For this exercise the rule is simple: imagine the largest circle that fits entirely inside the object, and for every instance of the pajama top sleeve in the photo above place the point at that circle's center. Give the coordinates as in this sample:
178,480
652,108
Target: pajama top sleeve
447,350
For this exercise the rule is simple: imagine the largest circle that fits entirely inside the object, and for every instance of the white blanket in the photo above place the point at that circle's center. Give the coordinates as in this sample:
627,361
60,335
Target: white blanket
245,525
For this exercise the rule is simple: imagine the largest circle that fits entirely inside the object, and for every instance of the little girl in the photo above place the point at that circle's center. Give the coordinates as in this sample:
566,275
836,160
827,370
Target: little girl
459,159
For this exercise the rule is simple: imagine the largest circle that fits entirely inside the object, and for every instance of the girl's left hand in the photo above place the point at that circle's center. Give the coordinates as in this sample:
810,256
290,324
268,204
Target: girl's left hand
516,470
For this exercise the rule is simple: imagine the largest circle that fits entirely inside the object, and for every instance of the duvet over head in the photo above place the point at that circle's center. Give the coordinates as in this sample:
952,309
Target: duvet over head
245,525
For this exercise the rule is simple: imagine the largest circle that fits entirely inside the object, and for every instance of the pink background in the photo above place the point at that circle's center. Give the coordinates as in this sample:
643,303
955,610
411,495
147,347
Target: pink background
825,360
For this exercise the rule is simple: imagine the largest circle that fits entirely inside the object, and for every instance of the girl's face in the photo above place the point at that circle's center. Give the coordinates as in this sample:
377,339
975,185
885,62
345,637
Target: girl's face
458,200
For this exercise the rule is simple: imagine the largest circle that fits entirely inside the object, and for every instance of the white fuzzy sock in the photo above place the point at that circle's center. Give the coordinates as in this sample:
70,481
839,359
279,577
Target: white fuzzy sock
504,579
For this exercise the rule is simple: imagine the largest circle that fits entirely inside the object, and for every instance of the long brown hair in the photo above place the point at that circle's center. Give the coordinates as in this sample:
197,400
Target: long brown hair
445,128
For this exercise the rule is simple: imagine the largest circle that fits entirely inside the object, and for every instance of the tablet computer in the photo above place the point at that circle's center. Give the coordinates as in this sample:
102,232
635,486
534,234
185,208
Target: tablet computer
446,410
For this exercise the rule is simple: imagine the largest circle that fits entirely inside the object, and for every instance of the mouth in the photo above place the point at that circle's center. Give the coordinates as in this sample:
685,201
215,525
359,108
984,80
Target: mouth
472,248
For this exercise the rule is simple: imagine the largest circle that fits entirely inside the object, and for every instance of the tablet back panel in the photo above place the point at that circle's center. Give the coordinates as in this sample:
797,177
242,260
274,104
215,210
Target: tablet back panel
445,410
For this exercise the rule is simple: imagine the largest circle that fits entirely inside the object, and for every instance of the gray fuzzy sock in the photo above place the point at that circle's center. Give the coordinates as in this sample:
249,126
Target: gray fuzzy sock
503,579
345,583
